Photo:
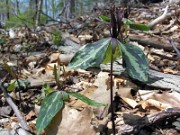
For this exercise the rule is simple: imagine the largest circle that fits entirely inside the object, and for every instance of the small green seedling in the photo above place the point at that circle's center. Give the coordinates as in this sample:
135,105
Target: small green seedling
57,37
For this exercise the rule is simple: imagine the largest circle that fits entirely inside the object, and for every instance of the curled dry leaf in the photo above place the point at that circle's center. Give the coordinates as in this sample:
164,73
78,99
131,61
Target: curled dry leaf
30,115
169,98
51,66
85,38
120,82
130,102
148,104
54,57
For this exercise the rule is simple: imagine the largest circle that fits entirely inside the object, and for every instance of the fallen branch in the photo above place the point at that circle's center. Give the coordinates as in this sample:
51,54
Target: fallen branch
163,17
175,48
15,108
134,124
156,43
164,56
159,19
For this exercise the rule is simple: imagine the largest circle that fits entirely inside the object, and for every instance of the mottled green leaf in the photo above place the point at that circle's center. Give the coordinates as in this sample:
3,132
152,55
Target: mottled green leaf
141,27
135,62
22,83
51,105
105,18
90,55
107,57
85,99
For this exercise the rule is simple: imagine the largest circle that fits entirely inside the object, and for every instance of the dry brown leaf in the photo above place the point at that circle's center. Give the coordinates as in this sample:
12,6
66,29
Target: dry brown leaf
54,57
168,70
84,38
130,102
174,28
73,38
30,115
78,104
169,98
50,66
25,73
71,122
30,59
148,104
120,82
101,94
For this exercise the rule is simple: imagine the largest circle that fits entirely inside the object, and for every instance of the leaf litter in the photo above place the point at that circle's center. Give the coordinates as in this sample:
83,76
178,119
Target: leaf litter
32,56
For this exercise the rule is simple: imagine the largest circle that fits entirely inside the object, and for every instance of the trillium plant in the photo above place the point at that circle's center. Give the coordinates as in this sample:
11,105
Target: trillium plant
92,55
117,46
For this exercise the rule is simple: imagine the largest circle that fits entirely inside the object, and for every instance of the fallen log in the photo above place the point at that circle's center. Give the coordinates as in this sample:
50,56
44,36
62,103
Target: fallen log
156,79
154,42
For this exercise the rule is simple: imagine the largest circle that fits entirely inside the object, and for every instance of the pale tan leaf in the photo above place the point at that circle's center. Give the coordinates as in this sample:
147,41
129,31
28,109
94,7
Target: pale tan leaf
71,122
130,102
148,104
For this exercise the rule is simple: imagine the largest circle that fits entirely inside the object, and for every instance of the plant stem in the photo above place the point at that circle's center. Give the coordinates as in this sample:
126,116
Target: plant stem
111,95
126,33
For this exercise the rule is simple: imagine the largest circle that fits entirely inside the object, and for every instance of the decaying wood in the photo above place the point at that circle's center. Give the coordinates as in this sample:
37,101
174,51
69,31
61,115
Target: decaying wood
134,124
156,79
156,43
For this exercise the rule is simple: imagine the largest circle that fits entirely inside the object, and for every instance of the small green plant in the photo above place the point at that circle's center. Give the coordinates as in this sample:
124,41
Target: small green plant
18,84
2,40
55,100
57,37
108,49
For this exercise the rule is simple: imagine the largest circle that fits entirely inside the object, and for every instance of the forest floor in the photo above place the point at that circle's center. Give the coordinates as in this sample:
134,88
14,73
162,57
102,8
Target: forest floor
29,56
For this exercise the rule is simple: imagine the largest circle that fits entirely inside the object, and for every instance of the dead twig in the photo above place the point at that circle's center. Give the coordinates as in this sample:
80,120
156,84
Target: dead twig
159,19
14,107
163,17
175,48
